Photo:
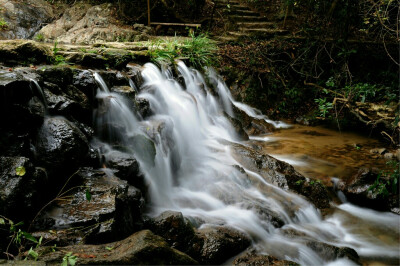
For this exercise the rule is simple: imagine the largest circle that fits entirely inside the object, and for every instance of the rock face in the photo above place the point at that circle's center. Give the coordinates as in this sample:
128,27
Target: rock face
141,248
281,174
106,206
24,18
89,24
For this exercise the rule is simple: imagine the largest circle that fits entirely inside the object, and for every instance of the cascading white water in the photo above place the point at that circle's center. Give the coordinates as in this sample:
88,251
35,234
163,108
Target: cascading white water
193,170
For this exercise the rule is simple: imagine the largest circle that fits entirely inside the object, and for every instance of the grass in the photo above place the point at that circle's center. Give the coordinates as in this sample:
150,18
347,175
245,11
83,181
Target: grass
199,51
3,24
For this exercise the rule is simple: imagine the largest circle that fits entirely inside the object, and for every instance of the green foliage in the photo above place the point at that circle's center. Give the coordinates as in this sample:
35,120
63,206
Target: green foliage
387,181
69,259
323,106
88,195
199,50
3,24
39,37
57,59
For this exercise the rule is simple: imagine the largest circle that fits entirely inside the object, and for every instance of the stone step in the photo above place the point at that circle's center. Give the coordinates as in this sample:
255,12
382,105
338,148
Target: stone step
231,2
264,31
252,25
235,34
238,19
240,12
237,7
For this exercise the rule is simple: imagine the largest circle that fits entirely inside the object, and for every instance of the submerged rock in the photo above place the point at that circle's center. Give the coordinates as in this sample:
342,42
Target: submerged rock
101,208
141,248
281,174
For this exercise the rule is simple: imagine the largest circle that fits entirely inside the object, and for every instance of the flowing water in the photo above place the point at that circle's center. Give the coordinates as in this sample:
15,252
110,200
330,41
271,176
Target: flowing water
192,171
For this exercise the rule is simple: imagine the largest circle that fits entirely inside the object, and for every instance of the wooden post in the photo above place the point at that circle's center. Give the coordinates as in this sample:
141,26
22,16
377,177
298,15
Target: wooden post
148,12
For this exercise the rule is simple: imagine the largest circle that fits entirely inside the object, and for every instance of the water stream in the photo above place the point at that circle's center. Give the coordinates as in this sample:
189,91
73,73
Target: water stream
193,172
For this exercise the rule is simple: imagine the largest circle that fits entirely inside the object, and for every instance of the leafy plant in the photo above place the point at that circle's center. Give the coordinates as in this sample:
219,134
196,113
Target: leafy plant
39,37
3,24
387,181
324,106
69,259
199,50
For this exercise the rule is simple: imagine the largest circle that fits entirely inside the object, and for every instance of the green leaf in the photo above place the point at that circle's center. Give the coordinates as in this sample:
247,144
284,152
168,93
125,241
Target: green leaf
33,254
72,260
20,171
88,195
2,221
64,263
109,248
29,237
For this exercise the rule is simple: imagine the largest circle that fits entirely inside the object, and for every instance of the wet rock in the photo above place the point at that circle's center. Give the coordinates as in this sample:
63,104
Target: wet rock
389,156
237,126
379,151
90,25
253,259
21,193
144,148
260,126
175,229
24,19
13,52
142,248
126,165
358,190
220,243
134,73
85,82
281,174
143,107
125,91
60,144
112,211
70,103
61,76
331,253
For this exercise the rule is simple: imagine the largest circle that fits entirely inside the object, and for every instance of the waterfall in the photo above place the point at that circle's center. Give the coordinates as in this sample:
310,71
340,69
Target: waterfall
193,170
40,92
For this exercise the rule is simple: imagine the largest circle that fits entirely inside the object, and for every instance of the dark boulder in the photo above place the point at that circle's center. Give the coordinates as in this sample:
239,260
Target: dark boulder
60,144
141,248
208,245
238,128
126,166
102,207
175,229
219,243
85,82
360,190
143,107
22,187
61,76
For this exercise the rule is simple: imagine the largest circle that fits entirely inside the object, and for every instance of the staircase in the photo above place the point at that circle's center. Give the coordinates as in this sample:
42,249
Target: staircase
245,22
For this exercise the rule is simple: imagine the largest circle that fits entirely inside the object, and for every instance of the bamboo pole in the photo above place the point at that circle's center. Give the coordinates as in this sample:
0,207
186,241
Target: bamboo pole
148,13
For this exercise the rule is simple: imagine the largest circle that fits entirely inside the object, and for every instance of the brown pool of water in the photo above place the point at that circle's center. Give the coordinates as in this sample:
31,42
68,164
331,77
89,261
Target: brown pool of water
322,153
